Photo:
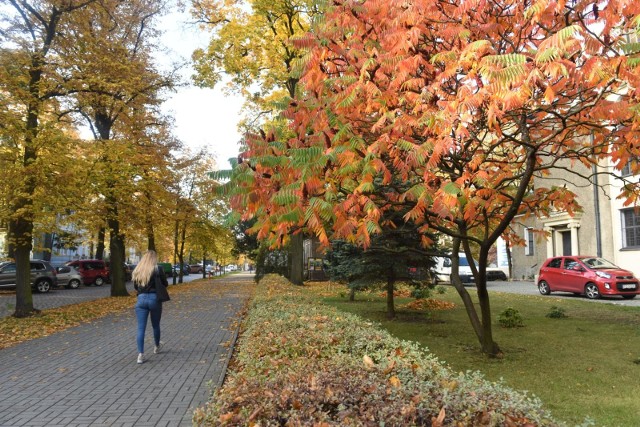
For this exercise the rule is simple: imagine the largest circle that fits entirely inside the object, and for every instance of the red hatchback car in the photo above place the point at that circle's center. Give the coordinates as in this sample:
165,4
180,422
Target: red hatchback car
93,271
588,275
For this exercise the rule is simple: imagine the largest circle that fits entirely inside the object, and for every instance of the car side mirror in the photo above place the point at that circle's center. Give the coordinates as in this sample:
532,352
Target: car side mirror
578,268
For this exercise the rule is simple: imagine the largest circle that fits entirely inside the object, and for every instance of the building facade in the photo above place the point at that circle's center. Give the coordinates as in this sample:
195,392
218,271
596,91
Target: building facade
602,227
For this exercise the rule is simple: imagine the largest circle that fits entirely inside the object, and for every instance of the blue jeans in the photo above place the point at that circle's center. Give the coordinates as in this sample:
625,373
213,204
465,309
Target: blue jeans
148,304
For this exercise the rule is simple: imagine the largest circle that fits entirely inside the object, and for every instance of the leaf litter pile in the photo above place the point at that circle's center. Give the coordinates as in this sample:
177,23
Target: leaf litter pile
300,363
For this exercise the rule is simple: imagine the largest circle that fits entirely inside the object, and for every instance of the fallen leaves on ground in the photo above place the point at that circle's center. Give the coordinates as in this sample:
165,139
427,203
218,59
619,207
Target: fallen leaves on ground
16,330
429,304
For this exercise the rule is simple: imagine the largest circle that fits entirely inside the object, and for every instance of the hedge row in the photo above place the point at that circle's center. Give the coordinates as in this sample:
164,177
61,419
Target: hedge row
300,363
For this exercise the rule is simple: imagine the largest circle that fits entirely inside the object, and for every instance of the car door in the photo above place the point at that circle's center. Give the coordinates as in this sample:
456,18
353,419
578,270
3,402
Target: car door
35,267
552,273
64,273
573,273
8,275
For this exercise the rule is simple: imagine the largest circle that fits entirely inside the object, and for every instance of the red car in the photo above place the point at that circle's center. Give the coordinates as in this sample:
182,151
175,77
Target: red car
93,271
586,275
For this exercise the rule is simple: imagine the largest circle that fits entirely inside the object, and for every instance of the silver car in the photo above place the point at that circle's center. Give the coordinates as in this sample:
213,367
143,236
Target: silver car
43,275
68,277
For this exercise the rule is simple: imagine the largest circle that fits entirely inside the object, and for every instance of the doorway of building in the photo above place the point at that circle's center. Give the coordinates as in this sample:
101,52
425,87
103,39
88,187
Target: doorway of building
566,242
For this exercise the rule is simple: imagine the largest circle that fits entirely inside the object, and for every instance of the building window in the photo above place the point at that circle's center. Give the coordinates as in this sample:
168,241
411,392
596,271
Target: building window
630,228
626,170
528,241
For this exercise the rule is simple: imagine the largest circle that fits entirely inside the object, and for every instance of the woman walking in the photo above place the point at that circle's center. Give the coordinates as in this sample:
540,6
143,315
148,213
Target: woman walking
146,278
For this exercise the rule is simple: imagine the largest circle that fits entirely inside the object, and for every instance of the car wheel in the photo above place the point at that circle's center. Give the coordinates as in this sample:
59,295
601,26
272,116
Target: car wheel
628,296
591,291
99,281
43,286
73,284
544,288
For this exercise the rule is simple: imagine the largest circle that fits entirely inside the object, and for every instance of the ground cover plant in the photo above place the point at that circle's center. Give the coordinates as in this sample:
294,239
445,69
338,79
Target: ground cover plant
583,364
299,362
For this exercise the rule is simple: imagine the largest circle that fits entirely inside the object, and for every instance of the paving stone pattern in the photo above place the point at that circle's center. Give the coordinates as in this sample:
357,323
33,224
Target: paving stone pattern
88,375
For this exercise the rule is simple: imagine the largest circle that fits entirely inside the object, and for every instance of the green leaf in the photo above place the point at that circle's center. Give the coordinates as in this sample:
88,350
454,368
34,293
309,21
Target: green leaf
631,48
451,188
505,60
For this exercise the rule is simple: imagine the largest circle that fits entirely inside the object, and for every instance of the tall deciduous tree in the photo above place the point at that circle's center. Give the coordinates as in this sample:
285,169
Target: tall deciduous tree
118,89
469,101
252,43
31,31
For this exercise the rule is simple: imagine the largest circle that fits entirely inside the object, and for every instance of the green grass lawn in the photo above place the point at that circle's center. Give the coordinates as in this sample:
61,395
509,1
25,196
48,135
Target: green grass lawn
586,365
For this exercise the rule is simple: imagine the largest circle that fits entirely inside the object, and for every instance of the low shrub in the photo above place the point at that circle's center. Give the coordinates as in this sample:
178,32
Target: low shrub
420,293
510,318
556,313
301,363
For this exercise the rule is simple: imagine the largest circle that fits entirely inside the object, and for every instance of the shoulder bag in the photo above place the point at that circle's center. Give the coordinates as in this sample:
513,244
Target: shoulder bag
161,289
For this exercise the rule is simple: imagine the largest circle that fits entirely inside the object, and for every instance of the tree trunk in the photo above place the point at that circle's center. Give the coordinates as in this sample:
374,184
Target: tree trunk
352,294
481,325
176,232
47,247
204,265
116,249
100,243
391,280
21,226
21,229
489,346
296,262
183,238
151,239
508,246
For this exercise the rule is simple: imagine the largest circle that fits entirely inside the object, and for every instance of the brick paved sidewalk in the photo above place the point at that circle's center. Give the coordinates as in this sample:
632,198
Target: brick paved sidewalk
88,376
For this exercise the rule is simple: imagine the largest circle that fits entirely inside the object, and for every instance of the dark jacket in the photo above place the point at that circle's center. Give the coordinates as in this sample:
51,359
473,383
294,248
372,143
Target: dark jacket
151,286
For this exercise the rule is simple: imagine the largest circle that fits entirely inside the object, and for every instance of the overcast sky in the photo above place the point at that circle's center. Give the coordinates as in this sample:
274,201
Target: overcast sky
203,117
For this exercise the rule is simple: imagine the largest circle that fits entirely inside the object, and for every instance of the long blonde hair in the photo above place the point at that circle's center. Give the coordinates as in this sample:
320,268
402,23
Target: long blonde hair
145,268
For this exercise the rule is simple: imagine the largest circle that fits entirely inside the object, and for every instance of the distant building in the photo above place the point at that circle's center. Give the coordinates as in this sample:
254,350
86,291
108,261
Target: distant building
603,227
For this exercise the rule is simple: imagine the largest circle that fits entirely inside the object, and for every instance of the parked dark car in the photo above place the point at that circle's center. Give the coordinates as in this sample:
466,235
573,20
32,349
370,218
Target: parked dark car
43,275
185,270
130,268
93,271
586,275
68,277
196,268
495,274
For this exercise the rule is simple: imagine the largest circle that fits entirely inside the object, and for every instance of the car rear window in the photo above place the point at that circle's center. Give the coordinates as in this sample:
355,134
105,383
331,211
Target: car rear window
555,263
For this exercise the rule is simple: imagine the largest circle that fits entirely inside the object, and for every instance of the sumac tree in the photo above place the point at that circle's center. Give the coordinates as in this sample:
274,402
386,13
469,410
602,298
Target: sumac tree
468,101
